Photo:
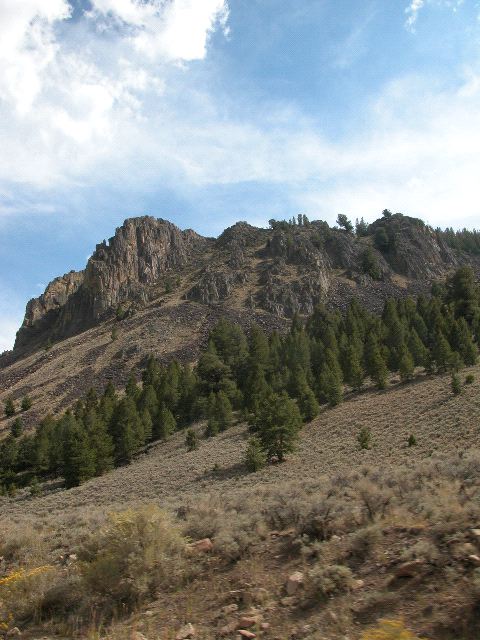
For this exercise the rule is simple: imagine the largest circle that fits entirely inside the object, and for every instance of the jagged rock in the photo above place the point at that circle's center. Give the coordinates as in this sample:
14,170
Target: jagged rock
142,251
215,286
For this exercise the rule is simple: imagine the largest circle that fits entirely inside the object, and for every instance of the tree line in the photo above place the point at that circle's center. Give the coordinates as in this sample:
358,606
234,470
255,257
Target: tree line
273,382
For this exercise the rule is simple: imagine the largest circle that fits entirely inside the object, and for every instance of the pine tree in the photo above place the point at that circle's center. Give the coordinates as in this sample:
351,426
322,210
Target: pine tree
330,387
301,390
26,403
100,441
456,385
16,428
126,429
78,457
353,370
406,366
255,457
223,411
165,424
277,424
191,440
10,408
375,363
417,349
132,389
441,352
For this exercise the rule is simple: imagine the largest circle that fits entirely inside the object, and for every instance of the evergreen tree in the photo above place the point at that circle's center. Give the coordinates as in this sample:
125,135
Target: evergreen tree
255,457
300,389
165,424
441,352
132,389
191,440
10,408
100,441
330,387
16,428
375,362
223,411
406,366
26,403
417,349
78,457
456,385
277,424
126,430
353,369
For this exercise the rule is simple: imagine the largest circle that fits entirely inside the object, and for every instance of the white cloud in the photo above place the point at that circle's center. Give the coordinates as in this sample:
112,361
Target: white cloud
412,13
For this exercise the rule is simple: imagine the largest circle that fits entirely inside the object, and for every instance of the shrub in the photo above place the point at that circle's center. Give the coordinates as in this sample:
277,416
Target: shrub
324,581
364,438
470,379
363,542
191,440
138,553
26,403
412,441
389,630
16,428
10,408
456,385
255,457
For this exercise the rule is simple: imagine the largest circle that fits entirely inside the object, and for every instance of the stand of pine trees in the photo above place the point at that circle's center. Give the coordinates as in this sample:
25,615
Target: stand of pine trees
274,382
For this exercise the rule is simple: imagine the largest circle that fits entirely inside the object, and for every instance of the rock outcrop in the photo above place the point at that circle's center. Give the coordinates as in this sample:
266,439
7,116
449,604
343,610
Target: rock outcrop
284,270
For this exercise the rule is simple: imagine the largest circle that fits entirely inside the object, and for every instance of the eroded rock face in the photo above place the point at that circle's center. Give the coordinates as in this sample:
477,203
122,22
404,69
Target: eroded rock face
215,286
142,252
285,270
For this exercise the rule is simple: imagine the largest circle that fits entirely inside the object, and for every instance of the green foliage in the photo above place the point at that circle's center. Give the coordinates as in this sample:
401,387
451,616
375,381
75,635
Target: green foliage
255,457
16,428
276,382
470,379
26,403
364,438
412,441
370,264
455,384
277,424
191,440
9,407
344,223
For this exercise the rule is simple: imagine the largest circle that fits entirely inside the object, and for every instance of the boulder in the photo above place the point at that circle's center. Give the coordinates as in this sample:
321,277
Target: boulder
294,583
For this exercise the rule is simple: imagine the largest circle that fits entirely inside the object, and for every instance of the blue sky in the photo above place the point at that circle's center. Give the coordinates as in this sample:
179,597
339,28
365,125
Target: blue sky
210,111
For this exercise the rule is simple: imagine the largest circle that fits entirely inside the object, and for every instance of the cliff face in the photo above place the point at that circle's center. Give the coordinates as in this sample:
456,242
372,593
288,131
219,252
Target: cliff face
142,252
281,271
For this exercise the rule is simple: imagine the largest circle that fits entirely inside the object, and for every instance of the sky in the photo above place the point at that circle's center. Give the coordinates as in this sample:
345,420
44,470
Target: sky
206,112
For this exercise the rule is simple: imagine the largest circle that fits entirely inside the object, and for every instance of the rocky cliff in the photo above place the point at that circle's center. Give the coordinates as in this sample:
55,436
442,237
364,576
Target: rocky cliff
283,270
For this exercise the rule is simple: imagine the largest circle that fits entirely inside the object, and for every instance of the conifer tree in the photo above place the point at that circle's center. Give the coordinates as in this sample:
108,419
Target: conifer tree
132,389
16,428
126,430
277,424
100,442
191,440
353,369
330,387
165,424
417,349
441,352
10,408
78,457
255,457
406,366
375,362
26,403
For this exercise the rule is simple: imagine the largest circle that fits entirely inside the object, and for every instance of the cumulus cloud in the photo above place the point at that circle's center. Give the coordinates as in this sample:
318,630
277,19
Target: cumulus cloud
67,87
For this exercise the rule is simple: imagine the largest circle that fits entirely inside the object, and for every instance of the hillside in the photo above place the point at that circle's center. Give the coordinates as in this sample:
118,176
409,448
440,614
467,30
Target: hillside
429,508
158,290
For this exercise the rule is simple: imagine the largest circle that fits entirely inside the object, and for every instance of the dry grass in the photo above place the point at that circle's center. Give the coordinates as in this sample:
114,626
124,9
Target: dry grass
333,511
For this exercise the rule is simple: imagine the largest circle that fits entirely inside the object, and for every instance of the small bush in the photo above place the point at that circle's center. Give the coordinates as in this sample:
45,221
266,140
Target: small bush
456,385
412,441
363,542
324,581
364,438
191,440
26,403
470,379
138,553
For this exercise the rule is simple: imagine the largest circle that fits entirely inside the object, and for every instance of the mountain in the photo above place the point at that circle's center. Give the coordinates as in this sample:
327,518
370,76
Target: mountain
153,288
